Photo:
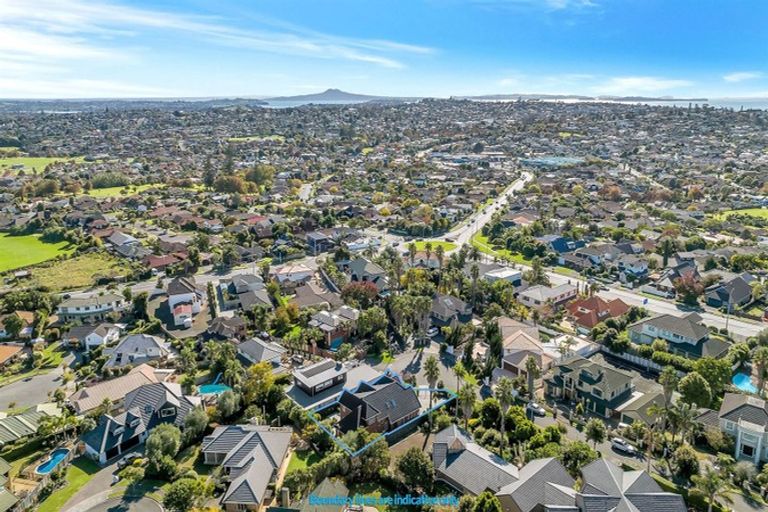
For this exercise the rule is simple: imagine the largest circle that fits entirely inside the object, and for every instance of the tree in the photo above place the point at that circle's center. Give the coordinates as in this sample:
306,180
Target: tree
183,494
668,380
712,486
258,382
505,395
375,459
140,302
416,469
685,461
487,502
667,248
694,389
576,455
689,289
760,360
536,275
195,424
467,397
595,431
683,417
717,372
532,370
360,294
13,324
227,404
460,372
432,374
162,446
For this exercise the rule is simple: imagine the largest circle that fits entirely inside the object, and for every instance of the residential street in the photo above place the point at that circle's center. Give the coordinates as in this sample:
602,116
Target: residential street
36,390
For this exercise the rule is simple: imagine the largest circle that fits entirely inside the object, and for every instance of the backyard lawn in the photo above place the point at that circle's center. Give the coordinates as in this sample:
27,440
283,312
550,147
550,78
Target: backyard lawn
302,460
77,475
121,191
482,244
22,251
79,272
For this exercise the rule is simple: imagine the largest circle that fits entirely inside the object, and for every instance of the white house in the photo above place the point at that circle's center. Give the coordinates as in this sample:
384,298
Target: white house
538,296
293,275
745,418
184,300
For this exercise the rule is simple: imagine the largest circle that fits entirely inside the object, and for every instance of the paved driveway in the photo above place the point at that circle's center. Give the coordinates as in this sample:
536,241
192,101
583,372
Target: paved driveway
412,361
126,505
95,491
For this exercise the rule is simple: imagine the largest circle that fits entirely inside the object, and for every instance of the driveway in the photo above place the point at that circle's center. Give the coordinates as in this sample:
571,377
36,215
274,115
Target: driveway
412,361
38,389
94,492
126,505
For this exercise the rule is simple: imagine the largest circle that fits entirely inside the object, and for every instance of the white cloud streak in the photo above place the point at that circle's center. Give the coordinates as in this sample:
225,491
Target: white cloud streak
741,76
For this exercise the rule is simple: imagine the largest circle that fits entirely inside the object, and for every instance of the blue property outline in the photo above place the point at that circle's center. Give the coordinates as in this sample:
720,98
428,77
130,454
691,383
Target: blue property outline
344,446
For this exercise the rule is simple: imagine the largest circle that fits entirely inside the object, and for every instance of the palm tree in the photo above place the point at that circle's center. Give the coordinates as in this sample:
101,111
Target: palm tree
412,253
655,412
564,347
505,395
428,251
440,255
669,381
685,418
712,485
432,373
467,397
532,370
474,253
475,273
760,360
460,372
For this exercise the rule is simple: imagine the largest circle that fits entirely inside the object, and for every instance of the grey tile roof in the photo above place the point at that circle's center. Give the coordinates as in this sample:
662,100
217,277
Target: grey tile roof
257,350
531,489
689,326
384,398
135,349
737,407
252,453
317,373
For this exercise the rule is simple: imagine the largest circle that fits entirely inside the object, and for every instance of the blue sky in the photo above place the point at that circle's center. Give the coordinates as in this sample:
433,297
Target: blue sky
134,48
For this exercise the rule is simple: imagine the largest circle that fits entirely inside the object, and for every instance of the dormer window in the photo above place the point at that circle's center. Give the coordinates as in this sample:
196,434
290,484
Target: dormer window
118,431
168,411
135,423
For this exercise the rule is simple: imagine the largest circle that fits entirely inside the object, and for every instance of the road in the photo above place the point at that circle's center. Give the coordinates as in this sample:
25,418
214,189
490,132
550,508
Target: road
36,390
464,233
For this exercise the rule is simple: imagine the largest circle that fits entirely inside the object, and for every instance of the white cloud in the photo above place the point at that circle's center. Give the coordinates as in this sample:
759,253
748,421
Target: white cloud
47,31
740,76
75,88
628,85
552,5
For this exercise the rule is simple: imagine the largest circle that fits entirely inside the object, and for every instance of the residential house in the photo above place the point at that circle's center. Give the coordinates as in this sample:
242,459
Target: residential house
745,418
380,405
244,291
252,457
18,426
27,323
468,467
364,270
730,294
542,484
336,325
145,408
449,311
587,312
90,336
136,349
90,308
320,376
9,353
540,296
291,276
560,244
88,398
602,388
256,350
686,335
185,300
227,328
312,295
8,499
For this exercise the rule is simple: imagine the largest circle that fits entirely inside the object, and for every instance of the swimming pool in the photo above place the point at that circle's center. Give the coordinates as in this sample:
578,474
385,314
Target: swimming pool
53,460
744,382
213,389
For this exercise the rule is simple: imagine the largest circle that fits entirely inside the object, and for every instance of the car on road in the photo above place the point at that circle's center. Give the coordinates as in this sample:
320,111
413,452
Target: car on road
620,444
535,409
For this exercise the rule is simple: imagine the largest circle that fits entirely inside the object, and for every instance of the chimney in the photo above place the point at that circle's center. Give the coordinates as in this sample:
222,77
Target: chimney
285,497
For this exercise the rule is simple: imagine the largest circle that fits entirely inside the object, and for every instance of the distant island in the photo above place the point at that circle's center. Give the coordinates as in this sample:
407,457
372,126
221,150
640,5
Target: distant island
577,97
90,105
328,95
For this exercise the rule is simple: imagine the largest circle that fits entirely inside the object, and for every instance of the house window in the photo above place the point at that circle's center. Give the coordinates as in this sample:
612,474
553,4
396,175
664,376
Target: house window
597,393
168,411
729,426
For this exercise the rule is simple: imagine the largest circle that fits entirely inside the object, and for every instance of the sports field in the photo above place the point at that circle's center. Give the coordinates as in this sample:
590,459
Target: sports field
752,212
22,251
34,164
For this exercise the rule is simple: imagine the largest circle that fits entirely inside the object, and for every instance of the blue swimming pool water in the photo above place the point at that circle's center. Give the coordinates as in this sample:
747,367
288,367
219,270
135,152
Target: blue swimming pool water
213,389
53,460
744,382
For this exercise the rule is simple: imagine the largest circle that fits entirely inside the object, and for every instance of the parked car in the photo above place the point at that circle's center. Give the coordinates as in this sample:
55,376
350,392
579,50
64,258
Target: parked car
535,409
432,332
623,446
128,459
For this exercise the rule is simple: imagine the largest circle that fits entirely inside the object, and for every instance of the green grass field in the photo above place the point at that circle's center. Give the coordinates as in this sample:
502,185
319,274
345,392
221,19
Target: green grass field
752,212
481,242
23,251
78,272
422,245
302,460
78,474
120,191
33,163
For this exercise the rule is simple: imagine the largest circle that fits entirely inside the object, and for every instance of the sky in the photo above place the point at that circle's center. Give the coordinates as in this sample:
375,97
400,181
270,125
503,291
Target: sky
262,48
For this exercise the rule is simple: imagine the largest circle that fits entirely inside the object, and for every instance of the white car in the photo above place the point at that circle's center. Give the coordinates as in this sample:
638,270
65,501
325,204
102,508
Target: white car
623,446
536,409
432,332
